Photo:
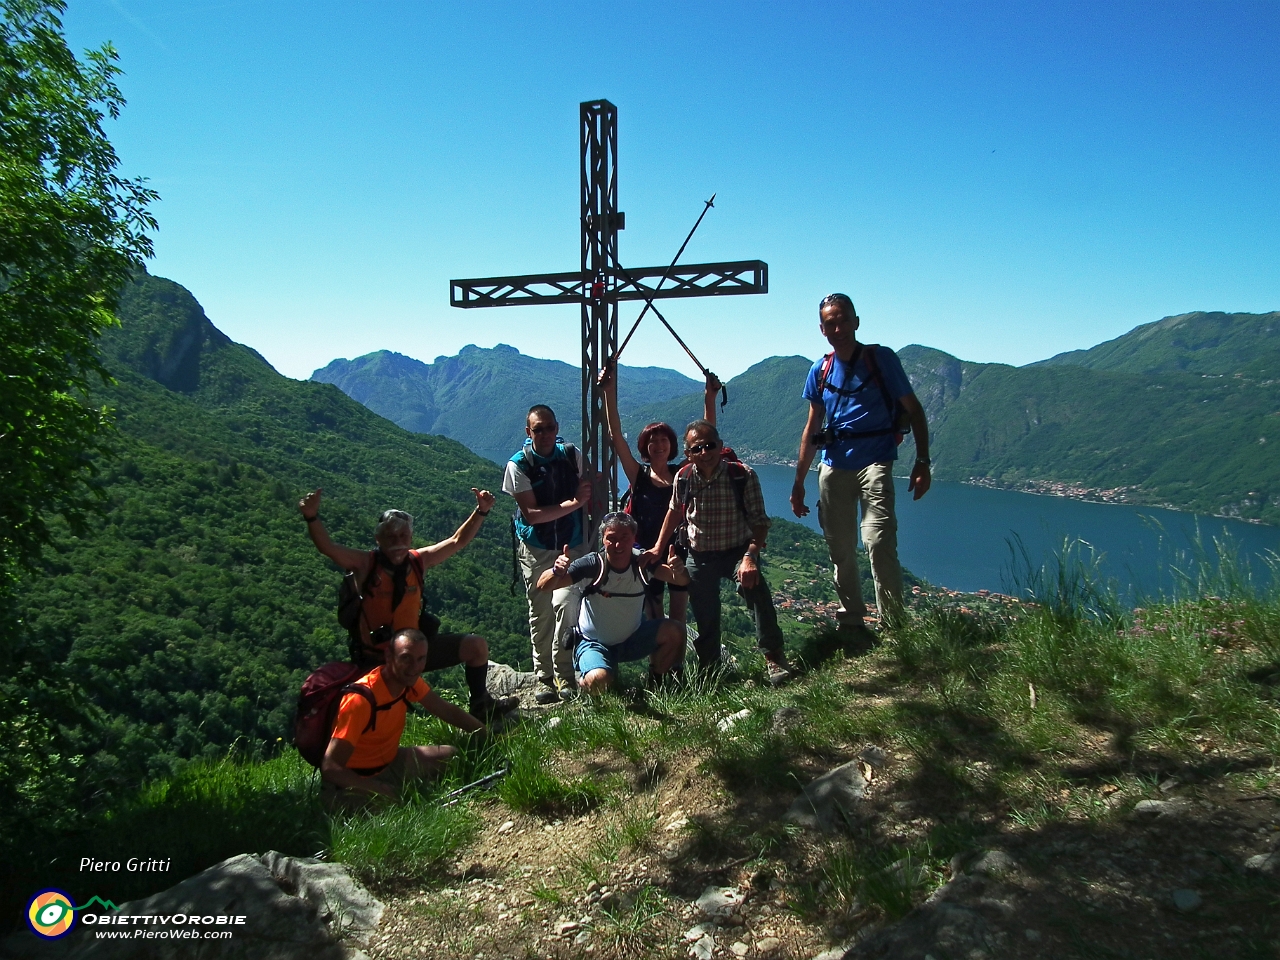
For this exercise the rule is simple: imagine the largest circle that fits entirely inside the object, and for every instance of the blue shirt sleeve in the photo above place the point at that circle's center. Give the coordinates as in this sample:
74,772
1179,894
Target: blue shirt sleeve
811,392
894,376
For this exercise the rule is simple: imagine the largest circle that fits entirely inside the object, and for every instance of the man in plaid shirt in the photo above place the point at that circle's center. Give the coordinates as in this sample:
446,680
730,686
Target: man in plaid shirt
723,508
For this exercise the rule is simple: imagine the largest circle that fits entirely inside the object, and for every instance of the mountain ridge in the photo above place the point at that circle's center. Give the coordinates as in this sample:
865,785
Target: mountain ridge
1173,413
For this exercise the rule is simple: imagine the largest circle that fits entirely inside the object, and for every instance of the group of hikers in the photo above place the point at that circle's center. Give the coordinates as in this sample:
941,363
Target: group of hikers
688,524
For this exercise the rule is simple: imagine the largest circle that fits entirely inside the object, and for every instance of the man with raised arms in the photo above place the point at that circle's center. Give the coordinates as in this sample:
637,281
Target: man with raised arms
391,578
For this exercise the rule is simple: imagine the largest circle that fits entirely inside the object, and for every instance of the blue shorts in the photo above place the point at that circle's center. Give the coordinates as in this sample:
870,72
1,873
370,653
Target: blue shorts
591,655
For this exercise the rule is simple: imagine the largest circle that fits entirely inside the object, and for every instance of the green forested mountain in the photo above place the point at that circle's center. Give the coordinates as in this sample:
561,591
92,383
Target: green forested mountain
480,397
1226,344
1182,412
198,605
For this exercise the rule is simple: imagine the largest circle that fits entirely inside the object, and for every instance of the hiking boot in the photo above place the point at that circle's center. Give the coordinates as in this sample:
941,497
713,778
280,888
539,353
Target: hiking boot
565,690
493,708
777,670
548,693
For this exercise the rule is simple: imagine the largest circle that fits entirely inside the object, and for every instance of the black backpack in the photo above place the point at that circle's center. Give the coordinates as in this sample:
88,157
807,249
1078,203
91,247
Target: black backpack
351,595
899,419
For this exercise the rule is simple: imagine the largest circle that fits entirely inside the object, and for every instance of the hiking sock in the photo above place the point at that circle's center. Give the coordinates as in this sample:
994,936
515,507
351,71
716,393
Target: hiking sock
476,682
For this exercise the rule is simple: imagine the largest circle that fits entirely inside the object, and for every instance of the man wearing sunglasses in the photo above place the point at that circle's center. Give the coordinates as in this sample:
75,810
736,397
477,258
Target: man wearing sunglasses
860,404
721,506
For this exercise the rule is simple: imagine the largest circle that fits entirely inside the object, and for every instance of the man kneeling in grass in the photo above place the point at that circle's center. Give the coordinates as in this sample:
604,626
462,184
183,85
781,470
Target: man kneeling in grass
611,626
364,759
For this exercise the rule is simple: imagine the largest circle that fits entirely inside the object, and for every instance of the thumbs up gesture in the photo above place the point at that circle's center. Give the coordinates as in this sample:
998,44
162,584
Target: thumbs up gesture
562,562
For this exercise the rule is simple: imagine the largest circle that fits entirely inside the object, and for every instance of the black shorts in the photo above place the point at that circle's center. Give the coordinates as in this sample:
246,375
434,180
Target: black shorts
656,586
443,650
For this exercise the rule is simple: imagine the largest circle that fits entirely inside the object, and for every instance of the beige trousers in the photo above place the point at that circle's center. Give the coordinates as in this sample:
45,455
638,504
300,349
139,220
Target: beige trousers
552,615
840,494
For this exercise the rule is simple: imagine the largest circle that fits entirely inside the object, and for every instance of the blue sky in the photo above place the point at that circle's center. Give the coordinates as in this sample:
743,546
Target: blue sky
1003,181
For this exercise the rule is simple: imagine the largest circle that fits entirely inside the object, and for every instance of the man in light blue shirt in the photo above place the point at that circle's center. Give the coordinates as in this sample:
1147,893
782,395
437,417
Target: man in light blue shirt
860,405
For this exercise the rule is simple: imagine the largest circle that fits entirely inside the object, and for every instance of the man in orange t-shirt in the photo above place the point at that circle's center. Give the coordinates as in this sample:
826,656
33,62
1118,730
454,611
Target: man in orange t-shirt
361,763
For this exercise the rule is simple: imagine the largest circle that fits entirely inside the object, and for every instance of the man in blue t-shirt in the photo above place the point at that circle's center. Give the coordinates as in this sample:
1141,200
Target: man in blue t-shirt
860,403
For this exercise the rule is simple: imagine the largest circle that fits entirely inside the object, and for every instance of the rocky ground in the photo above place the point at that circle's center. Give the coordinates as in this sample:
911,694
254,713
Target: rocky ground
1192,869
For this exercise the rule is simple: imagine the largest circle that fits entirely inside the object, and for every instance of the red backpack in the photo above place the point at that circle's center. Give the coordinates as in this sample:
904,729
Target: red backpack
318,703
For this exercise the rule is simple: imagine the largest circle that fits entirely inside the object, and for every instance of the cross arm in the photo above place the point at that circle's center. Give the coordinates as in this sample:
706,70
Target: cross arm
693,280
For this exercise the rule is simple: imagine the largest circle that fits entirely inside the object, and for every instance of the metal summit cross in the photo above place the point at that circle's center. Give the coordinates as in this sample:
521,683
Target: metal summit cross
601,283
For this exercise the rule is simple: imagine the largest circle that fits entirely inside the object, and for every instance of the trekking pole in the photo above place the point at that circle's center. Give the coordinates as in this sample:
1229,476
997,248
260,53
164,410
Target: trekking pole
707,205
455,796
724,391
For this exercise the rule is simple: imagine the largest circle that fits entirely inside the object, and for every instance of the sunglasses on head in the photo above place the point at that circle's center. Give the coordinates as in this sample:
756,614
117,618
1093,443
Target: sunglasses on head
705,445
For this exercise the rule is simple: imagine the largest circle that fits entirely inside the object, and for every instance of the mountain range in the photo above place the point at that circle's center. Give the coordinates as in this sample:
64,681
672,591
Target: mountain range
1183,412
481,397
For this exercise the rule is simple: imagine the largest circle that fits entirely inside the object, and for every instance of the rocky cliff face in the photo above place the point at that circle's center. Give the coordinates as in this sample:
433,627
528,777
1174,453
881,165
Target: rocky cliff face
167,335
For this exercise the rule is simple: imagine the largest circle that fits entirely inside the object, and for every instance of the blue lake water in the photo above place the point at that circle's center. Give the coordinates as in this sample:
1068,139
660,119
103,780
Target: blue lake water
959,535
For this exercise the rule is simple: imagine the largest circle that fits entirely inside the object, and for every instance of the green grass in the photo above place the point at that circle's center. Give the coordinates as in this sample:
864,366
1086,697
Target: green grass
403,842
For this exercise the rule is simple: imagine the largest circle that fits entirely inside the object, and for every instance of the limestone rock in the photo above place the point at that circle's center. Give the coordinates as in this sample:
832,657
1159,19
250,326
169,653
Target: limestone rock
1267,863
829,801
503,681
768,947
720,902
703,948
1159,808
294,909
873,756
937,928
995,864
785,719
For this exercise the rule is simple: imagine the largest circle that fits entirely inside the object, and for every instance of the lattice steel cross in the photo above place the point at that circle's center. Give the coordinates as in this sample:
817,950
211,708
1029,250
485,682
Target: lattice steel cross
601,284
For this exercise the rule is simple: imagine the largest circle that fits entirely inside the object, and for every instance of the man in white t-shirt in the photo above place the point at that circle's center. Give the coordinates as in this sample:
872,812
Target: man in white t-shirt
611,625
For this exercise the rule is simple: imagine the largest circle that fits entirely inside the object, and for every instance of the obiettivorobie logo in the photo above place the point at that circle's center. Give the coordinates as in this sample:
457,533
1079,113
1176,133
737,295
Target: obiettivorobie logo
51,913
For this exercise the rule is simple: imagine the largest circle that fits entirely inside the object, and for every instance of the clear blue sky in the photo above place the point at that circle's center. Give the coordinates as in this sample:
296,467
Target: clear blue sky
1003,181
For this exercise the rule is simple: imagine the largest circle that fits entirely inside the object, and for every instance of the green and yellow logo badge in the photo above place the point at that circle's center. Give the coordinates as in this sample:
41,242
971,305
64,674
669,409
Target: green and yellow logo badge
51,914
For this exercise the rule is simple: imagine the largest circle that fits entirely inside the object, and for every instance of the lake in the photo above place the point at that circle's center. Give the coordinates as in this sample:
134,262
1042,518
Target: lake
959,535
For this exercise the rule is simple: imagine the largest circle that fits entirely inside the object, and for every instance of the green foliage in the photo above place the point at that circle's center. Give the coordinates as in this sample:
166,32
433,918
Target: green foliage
532,785
402,842
71,232
1215,343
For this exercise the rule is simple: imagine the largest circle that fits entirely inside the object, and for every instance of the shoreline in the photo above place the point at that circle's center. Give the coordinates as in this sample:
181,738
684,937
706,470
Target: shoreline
1055,488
